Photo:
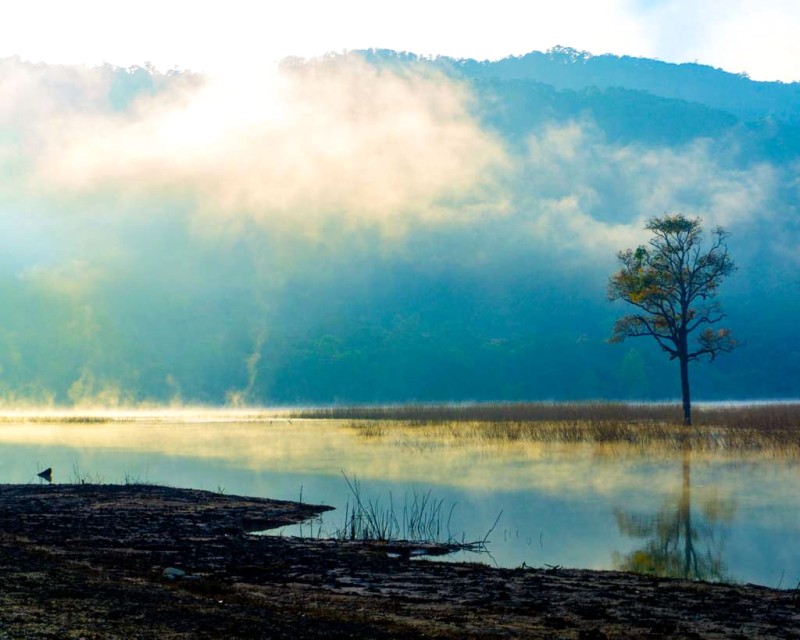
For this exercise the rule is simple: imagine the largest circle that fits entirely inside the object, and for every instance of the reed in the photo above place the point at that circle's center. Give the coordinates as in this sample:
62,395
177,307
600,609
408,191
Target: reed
421,529
422,518
761,416
757,427
496,412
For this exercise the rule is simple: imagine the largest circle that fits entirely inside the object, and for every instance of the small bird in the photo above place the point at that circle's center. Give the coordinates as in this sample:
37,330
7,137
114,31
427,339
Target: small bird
47,474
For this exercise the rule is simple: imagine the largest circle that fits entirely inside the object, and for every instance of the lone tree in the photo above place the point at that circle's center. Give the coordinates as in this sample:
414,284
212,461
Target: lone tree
673,284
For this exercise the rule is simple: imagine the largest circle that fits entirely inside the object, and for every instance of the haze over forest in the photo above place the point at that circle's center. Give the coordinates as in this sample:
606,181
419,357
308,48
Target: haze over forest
379,227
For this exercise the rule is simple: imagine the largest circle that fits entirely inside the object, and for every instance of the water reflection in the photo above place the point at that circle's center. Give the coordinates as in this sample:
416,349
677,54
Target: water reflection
679,542
589,505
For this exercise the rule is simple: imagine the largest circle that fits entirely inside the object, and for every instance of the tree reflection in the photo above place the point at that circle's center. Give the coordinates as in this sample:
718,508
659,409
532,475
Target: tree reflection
680,543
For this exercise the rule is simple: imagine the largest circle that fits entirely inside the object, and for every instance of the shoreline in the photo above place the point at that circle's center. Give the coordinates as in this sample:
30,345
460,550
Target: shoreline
142,561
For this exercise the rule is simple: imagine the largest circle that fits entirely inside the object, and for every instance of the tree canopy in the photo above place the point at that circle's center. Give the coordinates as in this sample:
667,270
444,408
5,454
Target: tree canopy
673,282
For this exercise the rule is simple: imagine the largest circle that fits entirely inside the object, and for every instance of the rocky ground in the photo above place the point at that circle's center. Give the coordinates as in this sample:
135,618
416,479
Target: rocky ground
139,561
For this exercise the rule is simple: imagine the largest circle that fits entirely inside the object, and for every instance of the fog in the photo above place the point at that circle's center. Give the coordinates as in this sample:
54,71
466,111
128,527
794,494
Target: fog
341,230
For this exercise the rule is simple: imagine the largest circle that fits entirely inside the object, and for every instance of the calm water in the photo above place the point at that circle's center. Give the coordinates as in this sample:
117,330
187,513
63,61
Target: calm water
568,505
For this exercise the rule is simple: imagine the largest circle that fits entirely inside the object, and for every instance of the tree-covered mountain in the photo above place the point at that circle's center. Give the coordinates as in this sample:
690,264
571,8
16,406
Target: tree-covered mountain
380,227
564,68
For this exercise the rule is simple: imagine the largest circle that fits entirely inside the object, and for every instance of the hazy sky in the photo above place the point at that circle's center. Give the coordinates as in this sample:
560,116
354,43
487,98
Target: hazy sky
758,37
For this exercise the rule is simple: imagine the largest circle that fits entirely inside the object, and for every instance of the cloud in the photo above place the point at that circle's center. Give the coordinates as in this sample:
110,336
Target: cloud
584,192
333,145
76,279
332,148
337,139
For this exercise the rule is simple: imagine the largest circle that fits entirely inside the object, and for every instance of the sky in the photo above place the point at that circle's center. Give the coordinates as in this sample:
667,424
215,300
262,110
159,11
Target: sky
757,37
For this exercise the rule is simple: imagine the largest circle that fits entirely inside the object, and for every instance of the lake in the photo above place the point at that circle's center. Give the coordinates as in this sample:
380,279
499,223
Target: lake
712,516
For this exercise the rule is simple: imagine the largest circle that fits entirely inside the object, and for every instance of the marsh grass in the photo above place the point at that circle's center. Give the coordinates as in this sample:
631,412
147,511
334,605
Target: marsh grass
422,518
736,428
421,527
767,415
497,412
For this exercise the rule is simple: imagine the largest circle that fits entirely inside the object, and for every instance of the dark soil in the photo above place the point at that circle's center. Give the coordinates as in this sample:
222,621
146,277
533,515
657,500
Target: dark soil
89,561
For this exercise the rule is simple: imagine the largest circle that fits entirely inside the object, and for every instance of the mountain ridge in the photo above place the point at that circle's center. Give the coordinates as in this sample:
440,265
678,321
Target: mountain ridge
567,68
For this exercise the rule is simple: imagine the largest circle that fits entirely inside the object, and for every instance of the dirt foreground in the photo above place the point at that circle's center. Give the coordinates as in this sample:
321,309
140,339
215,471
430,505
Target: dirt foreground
140,561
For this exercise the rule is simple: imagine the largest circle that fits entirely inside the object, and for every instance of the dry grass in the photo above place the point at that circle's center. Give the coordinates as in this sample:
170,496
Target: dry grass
498,412
761,427
781,415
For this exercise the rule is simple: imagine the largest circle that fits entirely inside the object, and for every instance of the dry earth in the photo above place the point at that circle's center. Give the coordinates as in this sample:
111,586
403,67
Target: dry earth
94,561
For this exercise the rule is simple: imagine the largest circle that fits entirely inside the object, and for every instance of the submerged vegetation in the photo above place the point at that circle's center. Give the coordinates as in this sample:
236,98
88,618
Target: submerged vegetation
757,427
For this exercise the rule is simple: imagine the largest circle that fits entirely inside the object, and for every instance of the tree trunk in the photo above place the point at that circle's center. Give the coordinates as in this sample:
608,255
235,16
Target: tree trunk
685,393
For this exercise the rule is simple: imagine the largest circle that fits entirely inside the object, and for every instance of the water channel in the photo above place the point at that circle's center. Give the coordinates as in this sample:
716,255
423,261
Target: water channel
700,515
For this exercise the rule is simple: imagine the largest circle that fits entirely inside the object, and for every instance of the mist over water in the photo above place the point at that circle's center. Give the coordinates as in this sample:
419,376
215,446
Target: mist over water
575,505
366,229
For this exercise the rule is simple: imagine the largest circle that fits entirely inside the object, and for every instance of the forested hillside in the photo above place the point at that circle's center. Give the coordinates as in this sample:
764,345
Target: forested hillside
380,227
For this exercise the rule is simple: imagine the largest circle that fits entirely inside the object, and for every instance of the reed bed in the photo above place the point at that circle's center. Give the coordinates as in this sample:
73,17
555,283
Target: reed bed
735,428
766,415
494,412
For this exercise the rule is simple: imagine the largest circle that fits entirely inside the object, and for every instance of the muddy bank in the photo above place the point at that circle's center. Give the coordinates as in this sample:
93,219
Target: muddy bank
154,562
